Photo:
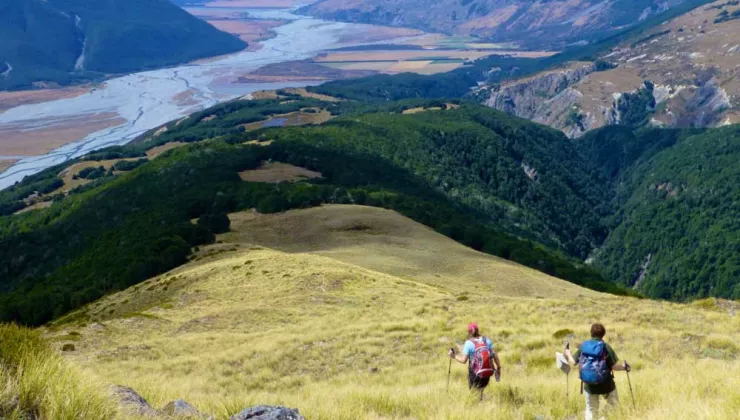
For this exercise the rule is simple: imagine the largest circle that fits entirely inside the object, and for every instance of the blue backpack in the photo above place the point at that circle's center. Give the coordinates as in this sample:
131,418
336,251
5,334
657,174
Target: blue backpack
593,362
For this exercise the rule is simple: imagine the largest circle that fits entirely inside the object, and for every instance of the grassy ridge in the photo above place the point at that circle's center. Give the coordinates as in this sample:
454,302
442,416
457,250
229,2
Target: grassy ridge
373,345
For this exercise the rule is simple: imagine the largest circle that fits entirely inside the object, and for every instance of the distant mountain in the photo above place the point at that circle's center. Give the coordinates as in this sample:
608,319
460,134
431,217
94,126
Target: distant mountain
538,23
62,41
682,73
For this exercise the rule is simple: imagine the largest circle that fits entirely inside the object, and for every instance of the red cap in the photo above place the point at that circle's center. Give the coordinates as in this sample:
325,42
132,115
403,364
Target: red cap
472,327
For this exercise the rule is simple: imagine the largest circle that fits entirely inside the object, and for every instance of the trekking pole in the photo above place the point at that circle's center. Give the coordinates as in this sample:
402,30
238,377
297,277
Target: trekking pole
567,391
632,394
449,371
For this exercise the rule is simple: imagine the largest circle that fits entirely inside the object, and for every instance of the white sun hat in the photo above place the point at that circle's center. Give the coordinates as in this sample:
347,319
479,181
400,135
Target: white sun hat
562,363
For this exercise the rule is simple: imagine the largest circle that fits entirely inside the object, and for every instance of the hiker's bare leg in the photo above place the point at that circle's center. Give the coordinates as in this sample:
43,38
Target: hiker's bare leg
592,406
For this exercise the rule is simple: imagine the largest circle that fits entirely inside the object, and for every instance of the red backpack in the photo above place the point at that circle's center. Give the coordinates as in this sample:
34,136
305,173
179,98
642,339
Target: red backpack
481,363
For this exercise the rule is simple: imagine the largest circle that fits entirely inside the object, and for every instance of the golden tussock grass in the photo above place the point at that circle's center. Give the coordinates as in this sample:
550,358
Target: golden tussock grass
36,383
347,313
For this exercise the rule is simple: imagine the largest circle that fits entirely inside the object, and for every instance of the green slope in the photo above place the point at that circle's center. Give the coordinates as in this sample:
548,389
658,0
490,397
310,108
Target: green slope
675,235
43,40
123,229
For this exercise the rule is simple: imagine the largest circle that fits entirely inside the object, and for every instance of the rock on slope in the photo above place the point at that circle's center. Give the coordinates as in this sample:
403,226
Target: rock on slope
539,22
693,62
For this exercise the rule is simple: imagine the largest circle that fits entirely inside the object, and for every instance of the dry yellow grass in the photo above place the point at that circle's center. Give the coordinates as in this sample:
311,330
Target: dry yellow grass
157,151
319,116
276,172
306,94
299,308
67,175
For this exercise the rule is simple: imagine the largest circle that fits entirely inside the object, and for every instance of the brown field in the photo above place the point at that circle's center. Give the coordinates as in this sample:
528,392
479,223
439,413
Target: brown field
26,97
156,151
429,61
292,119
255,4
185,98
250,31
394,55
306,94
259,142
67,175
262,94
5,164
276,172
433,108
19,141
35,206
377,33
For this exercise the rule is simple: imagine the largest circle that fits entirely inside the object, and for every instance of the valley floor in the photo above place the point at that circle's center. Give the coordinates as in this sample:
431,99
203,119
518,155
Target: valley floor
347,312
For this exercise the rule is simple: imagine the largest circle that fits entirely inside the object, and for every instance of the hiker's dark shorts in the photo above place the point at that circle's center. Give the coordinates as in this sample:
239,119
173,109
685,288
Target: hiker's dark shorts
474,382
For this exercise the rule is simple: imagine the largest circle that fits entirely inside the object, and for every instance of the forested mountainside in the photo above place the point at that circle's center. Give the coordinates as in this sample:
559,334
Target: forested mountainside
675,233
474,174
539,23
63,41
653,208
682,73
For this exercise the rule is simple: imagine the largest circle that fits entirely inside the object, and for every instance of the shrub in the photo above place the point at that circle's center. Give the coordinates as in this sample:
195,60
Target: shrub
44,385
560,334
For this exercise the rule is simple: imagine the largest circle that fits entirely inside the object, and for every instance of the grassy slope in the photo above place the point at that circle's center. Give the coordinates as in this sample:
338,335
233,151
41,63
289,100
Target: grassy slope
121,230
218,331
42,41
35,382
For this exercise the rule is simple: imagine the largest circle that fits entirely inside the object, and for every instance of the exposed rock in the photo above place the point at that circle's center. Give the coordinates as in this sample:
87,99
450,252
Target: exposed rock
180,408
548,99
268,412
132,402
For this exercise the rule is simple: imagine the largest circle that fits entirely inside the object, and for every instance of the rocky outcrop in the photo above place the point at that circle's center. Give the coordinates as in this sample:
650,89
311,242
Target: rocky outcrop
182,409
133,404
547,98
268,412
525,98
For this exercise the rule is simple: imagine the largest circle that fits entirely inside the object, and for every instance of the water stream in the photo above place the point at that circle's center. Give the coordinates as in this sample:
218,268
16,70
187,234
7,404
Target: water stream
147,99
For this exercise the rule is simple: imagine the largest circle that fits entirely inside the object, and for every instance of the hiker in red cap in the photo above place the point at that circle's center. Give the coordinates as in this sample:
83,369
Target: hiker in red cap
482,361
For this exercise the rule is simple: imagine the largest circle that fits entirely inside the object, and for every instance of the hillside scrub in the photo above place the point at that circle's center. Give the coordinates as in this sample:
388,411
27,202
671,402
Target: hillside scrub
366,344
36,383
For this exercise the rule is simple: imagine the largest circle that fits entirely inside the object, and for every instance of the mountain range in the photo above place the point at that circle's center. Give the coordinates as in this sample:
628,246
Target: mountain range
533,23
681,73
57,42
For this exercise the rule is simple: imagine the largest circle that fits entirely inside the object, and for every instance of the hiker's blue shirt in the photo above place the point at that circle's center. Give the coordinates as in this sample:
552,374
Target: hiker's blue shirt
469,348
